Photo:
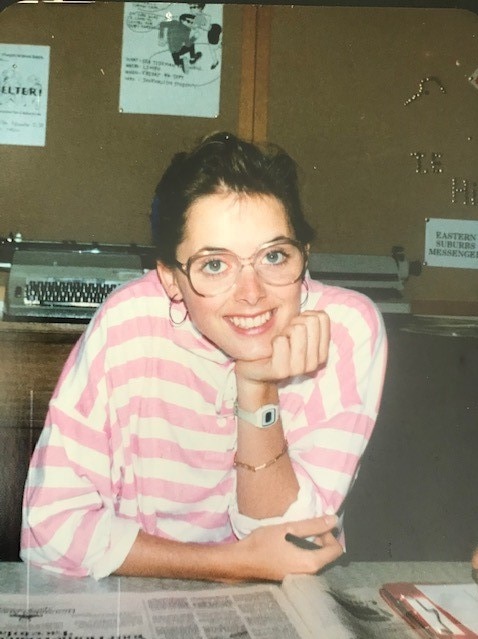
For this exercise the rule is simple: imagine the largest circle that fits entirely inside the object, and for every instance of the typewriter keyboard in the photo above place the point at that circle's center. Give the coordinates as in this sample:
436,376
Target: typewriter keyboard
70,292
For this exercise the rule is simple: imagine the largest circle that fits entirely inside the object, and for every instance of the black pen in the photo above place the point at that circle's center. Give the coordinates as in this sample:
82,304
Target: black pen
306,544
302,542
341,509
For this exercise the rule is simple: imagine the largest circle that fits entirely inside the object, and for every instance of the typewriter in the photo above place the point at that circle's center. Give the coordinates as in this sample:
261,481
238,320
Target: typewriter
380,277
61,281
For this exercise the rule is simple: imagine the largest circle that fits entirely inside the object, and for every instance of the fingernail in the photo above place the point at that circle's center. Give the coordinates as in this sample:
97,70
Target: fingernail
330,520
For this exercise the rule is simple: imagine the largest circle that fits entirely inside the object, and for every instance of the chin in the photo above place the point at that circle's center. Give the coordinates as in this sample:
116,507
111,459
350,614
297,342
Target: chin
248,353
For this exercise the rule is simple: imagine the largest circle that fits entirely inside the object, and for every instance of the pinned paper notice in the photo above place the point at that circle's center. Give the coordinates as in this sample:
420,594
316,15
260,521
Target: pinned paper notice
24,74
451,243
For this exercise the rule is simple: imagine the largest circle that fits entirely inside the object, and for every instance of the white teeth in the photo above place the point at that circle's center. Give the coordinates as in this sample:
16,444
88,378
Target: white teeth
251,322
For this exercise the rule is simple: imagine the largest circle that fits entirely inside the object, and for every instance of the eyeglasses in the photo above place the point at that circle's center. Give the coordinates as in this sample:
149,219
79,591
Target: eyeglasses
278,263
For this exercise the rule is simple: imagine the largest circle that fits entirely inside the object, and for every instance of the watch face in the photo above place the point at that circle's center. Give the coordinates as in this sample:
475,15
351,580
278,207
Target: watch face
269,417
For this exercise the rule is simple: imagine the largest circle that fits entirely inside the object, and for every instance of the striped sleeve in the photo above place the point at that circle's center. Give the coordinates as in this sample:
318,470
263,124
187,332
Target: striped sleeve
69,522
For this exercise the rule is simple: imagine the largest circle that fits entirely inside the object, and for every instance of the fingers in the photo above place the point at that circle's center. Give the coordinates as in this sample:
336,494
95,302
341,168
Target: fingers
317,324
310,560
304,558
268,554
313,527
303,346
324,321
331,549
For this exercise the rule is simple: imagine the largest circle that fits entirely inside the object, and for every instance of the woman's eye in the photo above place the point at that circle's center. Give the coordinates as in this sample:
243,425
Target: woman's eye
213,266
275,257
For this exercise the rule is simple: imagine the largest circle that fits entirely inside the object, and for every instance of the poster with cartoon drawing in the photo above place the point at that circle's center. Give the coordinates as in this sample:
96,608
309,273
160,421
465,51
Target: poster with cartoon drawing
171,58
24,71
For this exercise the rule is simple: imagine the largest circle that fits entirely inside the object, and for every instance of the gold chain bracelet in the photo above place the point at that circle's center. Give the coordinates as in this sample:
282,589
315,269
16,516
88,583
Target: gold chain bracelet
239,464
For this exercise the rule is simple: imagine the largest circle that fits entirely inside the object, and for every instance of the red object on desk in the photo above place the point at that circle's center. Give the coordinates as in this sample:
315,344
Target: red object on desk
422,614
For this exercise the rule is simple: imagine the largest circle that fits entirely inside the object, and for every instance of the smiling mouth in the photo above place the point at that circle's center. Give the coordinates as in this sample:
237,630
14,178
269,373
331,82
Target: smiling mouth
251,322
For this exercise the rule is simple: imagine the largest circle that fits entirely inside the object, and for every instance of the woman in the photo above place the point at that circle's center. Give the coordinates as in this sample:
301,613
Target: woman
215,404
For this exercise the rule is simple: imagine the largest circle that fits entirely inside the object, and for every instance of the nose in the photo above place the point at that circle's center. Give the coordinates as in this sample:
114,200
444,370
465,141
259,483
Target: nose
249,286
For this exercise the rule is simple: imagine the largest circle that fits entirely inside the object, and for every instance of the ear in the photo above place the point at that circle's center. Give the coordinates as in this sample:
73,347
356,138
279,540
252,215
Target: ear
167,277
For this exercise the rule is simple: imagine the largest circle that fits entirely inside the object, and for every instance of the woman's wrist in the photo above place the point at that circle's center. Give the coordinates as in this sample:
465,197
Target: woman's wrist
252,395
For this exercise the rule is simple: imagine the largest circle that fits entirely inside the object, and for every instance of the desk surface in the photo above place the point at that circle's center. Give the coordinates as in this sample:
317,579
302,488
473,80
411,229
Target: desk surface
39,330
16,577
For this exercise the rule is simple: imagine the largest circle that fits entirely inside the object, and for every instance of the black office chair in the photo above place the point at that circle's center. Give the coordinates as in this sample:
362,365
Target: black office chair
15,445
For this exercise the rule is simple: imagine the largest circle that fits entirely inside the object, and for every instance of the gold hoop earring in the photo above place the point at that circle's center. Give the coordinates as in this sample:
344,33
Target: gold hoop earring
303,302
173,320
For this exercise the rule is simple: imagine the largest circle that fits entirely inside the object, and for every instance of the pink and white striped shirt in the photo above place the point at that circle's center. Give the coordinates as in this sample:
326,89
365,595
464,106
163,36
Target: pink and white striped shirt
140,432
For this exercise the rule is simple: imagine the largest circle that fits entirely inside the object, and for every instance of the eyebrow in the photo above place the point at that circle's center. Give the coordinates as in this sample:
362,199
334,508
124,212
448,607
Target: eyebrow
221,249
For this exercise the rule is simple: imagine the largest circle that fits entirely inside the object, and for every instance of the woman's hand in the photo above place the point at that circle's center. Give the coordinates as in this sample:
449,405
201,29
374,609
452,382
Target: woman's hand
301,348
265,553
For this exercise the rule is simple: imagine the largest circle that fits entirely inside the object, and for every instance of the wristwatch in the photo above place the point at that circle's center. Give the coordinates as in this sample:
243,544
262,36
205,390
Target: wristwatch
263,417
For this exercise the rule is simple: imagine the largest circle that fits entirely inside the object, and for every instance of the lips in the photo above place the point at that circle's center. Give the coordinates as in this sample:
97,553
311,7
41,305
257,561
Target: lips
245,323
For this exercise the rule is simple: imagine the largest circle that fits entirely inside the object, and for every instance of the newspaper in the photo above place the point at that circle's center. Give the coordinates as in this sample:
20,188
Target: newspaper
355,613
260,612
302,608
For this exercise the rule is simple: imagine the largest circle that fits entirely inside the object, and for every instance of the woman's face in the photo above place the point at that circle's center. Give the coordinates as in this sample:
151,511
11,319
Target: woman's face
243,320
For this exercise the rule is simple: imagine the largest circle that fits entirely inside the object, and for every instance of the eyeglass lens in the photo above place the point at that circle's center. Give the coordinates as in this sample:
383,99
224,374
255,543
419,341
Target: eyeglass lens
278,264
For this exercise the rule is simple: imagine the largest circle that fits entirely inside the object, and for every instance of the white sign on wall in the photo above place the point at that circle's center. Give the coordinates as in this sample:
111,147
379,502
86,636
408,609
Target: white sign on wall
171,59
451,243
24,71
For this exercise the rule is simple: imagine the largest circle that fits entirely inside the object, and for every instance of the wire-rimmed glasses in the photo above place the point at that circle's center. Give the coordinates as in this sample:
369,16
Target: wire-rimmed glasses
278,263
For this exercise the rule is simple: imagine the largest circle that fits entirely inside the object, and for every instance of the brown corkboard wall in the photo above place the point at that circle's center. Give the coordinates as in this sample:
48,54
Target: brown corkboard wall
339,77
94,179
338,83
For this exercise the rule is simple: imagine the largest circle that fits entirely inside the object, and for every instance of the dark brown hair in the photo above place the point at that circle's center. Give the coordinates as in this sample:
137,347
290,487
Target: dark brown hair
222,162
